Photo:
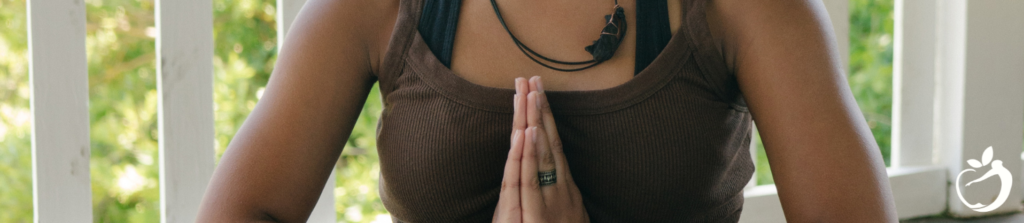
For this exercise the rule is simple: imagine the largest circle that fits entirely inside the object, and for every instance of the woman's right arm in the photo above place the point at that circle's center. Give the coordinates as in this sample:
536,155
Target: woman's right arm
277,164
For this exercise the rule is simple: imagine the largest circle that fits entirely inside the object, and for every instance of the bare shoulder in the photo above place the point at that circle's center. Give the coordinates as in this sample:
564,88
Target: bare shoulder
321,79
746,28
363,24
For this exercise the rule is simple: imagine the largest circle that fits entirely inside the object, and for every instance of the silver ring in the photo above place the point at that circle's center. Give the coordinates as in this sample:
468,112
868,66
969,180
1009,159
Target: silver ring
547,178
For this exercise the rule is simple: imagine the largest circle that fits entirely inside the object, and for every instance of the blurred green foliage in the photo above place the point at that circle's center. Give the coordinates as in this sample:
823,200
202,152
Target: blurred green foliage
871,44
15,118
122,111
122,106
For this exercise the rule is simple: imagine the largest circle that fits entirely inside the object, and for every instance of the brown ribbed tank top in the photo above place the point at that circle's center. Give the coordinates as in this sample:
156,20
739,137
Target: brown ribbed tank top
670,145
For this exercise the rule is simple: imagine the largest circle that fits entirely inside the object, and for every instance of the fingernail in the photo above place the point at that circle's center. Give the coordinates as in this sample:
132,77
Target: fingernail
518,80
533,130
540,86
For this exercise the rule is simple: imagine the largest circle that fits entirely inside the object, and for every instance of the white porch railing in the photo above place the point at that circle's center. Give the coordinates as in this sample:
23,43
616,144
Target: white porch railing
60,111
185,105
956,93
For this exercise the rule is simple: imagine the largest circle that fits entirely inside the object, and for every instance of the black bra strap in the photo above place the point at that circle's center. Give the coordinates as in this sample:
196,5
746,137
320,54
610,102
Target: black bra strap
652,31
437,27
440,18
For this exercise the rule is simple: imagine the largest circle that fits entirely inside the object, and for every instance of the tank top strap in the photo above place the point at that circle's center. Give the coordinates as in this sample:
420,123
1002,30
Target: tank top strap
437,27
653,31
402,37
708,56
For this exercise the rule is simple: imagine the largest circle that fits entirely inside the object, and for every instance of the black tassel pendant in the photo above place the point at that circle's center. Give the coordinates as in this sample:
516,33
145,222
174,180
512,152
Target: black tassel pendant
612,34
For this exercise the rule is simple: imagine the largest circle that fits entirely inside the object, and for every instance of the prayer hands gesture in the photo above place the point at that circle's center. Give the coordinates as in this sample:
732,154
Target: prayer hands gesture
537,185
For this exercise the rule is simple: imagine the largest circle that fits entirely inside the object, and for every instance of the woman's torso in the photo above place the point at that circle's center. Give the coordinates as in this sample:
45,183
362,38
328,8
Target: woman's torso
668,144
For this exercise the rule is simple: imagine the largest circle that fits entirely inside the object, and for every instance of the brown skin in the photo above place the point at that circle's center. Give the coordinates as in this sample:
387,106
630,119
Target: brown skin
277,164
824,160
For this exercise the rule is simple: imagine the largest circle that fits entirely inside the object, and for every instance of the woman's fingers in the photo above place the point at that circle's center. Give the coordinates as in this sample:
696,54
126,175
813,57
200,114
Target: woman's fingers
557,185
531,198
558,200
509,209
519,118
551,130
533,115
515,115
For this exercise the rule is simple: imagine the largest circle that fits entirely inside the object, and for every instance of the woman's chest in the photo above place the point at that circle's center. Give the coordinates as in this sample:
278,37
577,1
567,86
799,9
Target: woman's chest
669,150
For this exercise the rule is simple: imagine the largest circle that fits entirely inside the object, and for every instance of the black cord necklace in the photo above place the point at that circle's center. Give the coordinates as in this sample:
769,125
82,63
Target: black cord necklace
602,49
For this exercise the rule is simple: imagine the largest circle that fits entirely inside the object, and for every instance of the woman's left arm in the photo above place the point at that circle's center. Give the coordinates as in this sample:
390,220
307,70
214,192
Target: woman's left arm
823,157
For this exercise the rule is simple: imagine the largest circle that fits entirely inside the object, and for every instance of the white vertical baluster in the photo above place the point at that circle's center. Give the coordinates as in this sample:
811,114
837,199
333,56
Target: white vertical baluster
286,12
762,205
913,83
839,13
980,98
753,156
185,106
324,210
58,74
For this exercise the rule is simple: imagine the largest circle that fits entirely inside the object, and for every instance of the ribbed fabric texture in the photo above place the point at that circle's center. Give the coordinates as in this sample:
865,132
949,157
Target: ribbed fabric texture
670,145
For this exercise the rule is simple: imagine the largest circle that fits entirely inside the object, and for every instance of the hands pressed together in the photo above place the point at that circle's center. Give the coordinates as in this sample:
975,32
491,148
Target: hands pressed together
537,185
